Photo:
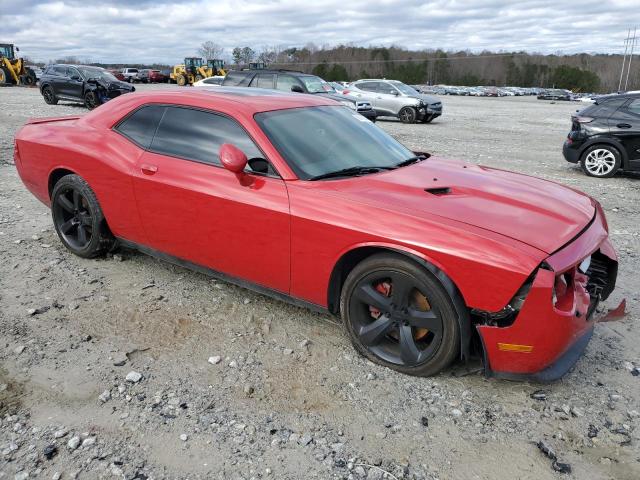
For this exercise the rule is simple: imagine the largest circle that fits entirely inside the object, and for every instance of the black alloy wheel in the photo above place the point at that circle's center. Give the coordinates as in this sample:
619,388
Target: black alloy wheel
48,95
397,314
91,100
78,218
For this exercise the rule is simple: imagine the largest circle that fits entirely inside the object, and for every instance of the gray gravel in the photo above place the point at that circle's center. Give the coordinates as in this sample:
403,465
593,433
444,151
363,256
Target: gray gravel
230,384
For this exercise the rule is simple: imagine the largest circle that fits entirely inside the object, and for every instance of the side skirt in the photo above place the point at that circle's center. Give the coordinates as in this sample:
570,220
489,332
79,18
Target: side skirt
269,292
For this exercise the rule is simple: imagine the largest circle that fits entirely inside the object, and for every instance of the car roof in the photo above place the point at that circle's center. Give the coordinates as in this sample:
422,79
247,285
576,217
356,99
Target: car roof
268,70
247,100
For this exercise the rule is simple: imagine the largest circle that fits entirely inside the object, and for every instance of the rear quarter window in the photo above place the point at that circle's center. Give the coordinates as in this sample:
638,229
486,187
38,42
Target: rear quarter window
237,79
141,125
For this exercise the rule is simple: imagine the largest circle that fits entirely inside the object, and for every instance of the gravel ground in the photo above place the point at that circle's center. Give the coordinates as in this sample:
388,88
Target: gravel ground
127,367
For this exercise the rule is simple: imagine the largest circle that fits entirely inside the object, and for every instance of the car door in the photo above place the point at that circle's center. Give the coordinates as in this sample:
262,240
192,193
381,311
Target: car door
366,91
74,82
59,79
624,124
194,209
388,99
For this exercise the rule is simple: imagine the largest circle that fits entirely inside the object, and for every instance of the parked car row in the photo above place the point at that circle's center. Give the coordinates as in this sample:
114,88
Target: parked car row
479,91
143,75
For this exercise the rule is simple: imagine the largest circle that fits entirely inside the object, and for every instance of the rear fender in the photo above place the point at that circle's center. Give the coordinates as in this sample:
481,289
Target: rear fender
607,141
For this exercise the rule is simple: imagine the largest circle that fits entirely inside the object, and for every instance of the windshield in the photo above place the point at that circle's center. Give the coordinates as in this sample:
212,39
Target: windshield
97,73
406,89
317,140
316,84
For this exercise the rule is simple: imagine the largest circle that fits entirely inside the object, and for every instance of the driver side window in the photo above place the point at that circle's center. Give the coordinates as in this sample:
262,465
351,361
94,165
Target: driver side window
285,82
197,135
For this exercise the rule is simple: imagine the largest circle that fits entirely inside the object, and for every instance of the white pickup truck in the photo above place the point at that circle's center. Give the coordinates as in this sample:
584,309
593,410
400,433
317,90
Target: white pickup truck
130,74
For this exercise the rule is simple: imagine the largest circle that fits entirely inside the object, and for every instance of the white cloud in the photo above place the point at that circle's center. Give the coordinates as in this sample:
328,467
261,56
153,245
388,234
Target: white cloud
147,31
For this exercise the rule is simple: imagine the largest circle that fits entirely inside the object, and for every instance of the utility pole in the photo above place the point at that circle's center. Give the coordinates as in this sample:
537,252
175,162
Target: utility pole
633,44
624,58
629,46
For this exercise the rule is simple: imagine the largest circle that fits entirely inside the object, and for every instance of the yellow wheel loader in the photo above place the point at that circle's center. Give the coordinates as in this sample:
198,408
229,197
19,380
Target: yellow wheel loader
192,70
215,67
12,69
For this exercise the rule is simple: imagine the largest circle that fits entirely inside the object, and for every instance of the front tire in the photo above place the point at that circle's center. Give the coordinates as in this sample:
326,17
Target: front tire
407,115
91,100
601,161
5,76
48,95
397,314
78,218
181,80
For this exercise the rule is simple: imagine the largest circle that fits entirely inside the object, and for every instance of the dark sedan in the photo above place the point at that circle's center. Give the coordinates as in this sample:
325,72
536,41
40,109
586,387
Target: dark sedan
554,94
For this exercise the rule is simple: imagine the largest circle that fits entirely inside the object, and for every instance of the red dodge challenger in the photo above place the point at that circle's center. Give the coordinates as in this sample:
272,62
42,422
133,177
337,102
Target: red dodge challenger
299,197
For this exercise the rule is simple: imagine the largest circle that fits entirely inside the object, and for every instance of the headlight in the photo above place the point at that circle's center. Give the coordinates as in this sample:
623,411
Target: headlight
351,105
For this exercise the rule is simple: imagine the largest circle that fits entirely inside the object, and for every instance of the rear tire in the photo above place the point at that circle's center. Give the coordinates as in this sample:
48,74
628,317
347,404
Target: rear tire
397,314
601,161
48,95
78,218
408,115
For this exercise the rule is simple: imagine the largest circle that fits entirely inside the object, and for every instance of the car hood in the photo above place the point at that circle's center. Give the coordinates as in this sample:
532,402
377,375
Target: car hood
428,99
338,97
539,213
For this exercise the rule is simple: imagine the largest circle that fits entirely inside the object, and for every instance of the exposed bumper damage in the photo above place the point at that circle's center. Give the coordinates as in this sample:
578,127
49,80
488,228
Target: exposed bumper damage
105,90
541,334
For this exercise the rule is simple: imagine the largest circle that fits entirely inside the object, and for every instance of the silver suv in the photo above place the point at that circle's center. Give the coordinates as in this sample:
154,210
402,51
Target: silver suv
391,98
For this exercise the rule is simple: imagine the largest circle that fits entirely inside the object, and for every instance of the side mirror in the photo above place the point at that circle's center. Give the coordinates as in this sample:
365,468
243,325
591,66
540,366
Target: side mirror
75,77
396,93
297,89
233,159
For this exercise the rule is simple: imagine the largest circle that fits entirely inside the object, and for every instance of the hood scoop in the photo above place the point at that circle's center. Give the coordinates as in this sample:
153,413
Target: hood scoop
438,191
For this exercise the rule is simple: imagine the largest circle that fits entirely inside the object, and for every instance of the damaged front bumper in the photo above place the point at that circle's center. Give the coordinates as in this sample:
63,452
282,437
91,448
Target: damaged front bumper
554,323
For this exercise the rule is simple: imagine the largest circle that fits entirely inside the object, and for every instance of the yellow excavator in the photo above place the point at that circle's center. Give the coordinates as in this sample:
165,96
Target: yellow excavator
12,69
194,69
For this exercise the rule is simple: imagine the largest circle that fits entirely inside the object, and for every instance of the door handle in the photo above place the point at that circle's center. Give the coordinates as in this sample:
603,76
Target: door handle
148,169
623,125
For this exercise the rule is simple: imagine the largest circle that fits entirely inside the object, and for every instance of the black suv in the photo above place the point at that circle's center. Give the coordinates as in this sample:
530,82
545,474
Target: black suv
92,86
291,81
605,136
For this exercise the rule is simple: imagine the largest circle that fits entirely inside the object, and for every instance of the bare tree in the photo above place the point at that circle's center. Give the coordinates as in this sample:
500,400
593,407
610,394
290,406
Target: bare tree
210,50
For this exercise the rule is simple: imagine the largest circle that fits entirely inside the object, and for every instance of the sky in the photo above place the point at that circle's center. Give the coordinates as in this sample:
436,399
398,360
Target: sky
147,31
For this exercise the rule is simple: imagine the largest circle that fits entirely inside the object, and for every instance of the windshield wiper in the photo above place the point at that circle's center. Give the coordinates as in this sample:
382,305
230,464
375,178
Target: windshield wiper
351,171
410,160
